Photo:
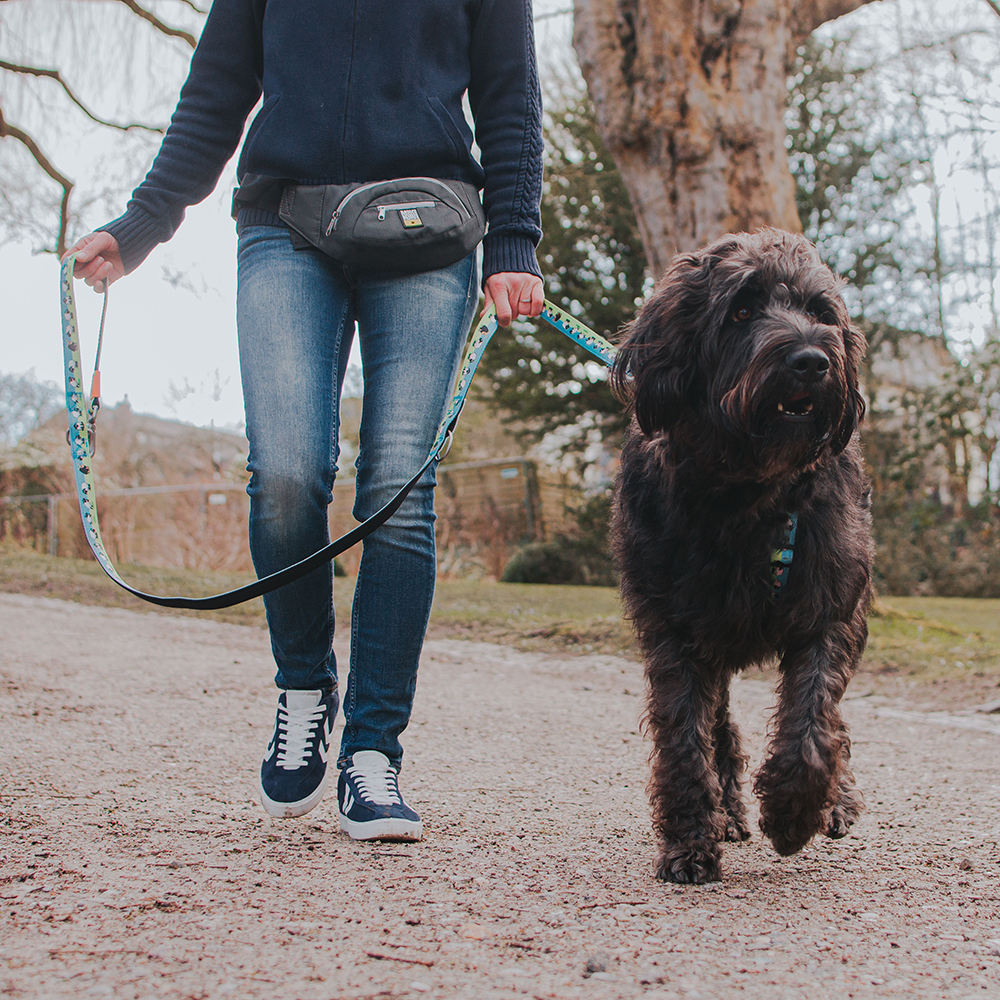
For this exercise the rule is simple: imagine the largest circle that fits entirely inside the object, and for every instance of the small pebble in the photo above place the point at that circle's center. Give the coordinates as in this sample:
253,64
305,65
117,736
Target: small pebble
597,962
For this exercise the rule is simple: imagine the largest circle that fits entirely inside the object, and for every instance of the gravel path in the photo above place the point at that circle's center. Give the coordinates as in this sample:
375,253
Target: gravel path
136,863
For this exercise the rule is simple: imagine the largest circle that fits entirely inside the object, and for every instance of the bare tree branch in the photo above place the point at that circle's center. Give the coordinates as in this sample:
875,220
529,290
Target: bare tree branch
11,131
54,74
958,36
159,25
994,6
805,17
26,134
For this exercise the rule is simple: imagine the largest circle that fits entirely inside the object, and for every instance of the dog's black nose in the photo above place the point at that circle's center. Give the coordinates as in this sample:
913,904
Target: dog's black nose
809,363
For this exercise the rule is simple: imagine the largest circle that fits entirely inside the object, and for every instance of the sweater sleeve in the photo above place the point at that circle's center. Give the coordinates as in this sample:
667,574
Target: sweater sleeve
507,107
223,85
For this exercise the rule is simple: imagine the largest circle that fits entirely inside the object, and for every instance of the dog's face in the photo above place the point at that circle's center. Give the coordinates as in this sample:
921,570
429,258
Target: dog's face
746,347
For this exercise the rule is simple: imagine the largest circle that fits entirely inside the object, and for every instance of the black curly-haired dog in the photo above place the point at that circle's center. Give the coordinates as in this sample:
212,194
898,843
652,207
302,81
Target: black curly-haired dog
741,373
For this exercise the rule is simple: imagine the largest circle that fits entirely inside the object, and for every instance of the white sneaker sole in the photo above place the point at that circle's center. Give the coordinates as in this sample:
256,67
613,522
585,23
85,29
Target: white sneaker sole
287,810
382,829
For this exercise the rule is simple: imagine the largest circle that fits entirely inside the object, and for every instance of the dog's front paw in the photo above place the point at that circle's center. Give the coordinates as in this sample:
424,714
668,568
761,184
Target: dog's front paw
794,804
689,865
788,826
790,838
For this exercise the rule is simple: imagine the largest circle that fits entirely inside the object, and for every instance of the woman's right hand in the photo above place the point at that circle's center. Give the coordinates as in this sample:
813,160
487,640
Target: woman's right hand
97,260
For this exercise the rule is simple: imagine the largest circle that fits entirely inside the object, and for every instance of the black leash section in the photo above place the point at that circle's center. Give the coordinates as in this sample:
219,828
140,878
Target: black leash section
268,583
81,437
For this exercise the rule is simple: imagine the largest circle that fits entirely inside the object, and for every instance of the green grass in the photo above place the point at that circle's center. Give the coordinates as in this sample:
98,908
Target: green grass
23,571
532,616
932,637
921,637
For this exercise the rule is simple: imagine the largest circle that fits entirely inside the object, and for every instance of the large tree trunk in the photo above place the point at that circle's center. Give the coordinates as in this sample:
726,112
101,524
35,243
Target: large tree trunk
690,98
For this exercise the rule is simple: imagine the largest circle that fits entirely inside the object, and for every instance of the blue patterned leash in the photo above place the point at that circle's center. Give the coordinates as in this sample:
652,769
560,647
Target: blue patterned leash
566,324
81,438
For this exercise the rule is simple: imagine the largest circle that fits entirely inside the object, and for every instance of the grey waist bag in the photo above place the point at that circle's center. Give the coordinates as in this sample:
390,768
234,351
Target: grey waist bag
408,225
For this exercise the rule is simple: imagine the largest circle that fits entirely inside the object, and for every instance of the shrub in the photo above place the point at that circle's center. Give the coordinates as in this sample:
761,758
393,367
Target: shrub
583,557
543,562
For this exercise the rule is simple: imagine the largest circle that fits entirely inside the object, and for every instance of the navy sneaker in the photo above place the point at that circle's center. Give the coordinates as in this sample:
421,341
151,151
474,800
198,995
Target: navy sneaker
369,802
293,772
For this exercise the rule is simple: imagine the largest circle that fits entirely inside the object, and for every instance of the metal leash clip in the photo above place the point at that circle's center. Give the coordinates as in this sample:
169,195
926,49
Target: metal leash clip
95,386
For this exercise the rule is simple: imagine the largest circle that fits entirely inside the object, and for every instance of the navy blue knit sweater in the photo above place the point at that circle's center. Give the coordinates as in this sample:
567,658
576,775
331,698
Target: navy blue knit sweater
355,90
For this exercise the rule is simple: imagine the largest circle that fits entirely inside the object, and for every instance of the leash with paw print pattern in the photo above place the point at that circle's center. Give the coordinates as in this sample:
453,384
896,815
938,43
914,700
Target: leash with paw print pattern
81,437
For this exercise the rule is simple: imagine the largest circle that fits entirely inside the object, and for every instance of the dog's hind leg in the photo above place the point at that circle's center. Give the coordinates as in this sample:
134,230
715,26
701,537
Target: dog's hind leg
730,765
684,789
849,803
802,779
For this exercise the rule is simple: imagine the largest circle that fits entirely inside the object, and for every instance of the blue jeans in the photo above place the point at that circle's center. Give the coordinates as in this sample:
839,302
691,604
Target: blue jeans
296,315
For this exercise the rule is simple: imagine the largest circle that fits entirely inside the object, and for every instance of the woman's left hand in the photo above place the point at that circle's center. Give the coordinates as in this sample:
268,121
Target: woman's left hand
515,294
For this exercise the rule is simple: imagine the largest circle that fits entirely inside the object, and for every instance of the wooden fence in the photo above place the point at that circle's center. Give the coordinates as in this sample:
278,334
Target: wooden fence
485,510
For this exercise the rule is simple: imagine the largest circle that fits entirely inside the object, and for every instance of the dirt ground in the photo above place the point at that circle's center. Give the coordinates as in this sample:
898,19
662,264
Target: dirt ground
136,861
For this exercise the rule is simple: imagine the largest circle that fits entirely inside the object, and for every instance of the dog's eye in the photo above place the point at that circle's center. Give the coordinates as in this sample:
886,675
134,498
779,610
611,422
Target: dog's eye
742,313
820,313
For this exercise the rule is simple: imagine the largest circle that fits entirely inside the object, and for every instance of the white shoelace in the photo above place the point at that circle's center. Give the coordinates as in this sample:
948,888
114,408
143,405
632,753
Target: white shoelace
378,787
295,733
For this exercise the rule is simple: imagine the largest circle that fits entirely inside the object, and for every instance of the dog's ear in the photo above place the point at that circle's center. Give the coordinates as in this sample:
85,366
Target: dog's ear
654,369
854,411
661,397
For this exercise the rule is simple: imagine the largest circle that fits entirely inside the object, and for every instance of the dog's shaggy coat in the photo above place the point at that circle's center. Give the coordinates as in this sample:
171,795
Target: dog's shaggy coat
741,373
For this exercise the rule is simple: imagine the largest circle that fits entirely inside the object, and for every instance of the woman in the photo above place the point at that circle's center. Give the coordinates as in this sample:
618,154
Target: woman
353,91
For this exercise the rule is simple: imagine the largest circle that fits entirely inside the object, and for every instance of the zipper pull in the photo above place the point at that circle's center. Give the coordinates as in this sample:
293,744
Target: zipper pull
381,213
333,222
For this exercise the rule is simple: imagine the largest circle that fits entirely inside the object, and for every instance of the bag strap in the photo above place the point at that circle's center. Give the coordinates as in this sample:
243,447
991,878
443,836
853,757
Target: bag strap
81,440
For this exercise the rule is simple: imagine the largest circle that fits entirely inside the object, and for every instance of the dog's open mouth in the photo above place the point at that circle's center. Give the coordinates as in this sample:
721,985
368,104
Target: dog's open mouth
799,405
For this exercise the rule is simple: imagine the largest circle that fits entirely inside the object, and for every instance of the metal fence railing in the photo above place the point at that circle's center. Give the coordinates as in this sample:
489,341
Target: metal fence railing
485,510
52,501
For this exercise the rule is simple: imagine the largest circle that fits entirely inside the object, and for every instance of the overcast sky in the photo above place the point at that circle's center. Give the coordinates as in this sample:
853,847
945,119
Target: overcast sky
171,323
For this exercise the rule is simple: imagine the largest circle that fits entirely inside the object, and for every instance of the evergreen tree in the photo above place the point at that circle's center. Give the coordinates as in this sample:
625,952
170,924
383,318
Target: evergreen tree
595,269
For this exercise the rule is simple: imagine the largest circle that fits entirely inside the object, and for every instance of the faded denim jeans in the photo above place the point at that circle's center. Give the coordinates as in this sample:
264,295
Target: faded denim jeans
296,316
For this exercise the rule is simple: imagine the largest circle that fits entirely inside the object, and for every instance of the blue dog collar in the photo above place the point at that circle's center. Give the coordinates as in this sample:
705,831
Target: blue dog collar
781,559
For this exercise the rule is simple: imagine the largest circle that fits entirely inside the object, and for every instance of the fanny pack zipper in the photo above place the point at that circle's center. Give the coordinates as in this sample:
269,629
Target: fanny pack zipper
335,218
382,209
